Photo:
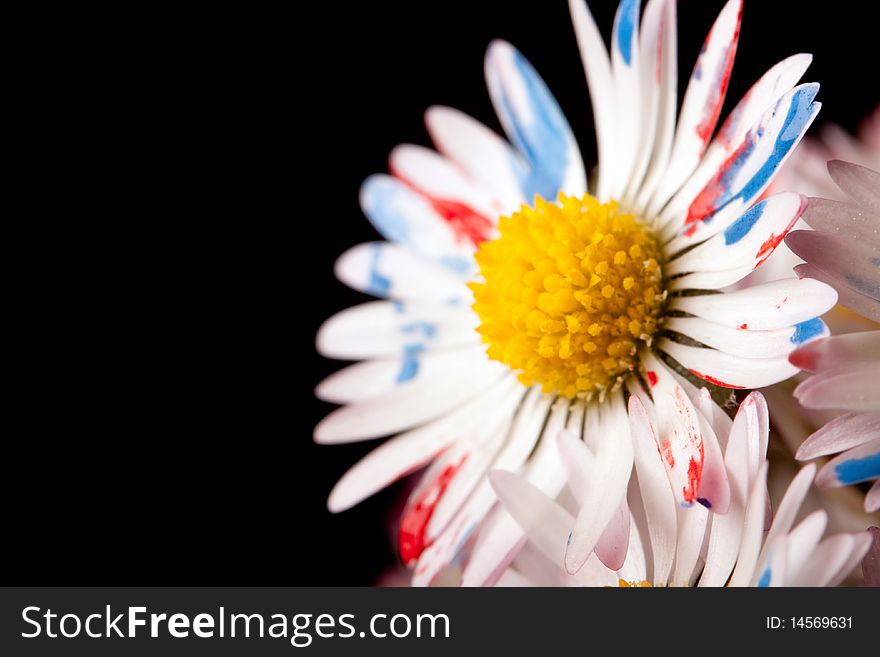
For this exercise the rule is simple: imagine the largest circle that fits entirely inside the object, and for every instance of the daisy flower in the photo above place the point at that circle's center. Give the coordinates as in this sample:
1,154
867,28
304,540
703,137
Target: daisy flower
653,543
844,250
521,301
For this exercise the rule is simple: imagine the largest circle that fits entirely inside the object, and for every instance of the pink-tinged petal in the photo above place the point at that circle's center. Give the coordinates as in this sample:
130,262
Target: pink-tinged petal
374,378
728,370
714,491
849,297
657,496
854,466
480,152
679,438
804,538
407,452
579,464
843,219
747,242
404,407
764,307
871,562
702,102
383,329
545,522
613,465
840,434
765,93
635,568
850,389
470,209
665,53
602,93
748,171
533,121
612,547
860,545
826,560
753,528
501,538
860,183
857,263
744,342
384,269
404,216
852,349
872,499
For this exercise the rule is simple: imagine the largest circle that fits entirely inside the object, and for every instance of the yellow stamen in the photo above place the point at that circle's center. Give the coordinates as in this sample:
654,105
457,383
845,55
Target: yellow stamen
622,583
570,289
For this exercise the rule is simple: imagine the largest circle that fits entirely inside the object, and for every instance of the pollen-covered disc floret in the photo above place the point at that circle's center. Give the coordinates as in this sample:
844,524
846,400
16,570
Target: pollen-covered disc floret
569,291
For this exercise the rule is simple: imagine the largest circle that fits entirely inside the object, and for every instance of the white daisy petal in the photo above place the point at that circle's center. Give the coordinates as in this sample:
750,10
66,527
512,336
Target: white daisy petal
625,68
373,378
405,406
714,491
534,123
860,546
378,329
855,262
855,465
404,216
764,307
602,93
702,102
840,434
750,546
402,454
385,269
803,540
825,562
746,343
691,530
851,298
747,242
860,183
613,544
775,571
666,78
726,531
613,464
501,537
481,153
726,369
635,567
523,435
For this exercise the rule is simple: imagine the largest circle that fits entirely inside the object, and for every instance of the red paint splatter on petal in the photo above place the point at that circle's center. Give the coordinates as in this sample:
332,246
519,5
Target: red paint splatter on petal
712,379
704,204
666,453
466,222
411,536
710,117
652,377
768,246
781,303
694,474
743,327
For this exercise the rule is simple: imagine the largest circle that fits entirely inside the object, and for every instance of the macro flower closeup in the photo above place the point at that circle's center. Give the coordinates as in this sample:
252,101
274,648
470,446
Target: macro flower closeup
521,299
658,544
844,250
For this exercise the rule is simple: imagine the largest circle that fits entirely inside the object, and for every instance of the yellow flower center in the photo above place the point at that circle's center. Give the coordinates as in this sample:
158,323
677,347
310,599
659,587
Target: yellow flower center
622,583
569,291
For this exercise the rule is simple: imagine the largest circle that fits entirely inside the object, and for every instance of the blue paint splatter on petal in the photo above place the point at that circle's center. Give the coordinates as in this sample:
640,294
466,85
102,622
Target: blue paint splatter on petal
628,13
544,140
706,503
382,199
425,328
378,285
741,227
410,366
854,471
808,330
764,582
458,265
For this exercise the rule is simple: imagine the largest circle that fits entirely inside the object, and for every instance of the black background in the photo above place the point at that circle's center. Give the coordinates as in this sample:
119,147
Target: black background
180,449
